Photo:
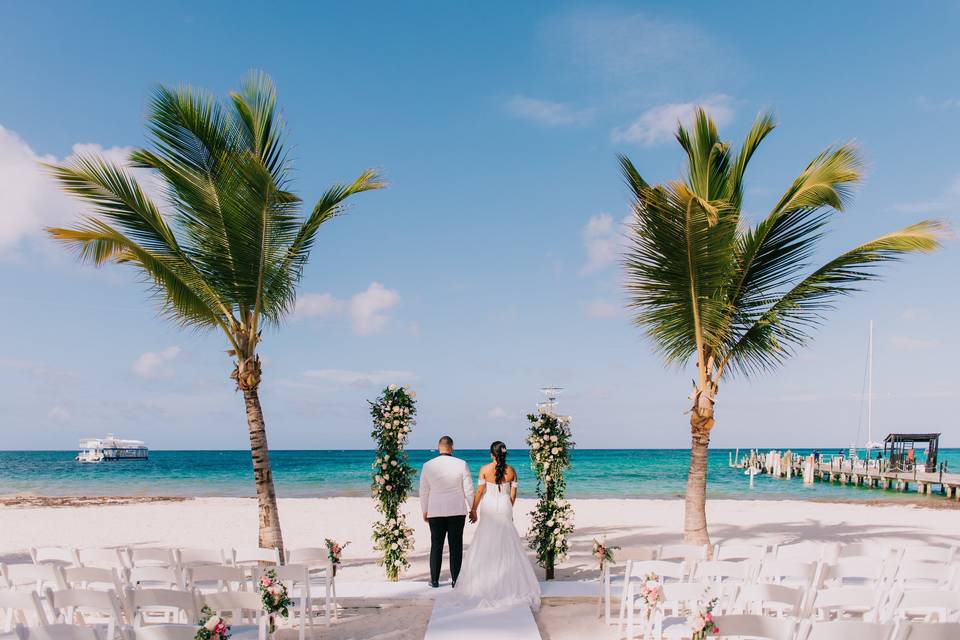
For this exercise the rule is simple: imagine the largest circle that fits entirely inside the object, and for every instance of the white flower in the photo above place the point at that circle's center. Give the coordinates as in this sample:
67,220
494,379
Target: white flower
396,423
391,522
392,387
212,623
396,409
553,438
555,450
394,546
413,394
393,462
386,456
535,445
380,479
383,466
377,461
549,523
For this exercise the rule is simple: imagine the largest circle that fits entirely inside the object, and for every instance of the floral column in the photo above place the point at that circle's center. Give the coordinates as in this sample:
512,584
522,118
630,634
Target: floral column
552,519
393,417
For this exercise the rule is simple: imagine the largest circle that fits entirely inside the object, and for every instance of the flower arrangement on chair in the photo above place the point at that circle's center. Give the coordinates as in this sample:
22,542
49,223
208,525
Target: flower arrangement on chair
651,594
701,622
273,594
603,553
393,416
552,519
212,627
335,552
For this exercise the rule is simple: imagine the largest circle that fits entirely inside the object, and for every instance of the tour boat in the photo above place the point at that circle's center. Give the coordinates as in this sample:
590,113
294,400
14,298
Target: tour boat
111,448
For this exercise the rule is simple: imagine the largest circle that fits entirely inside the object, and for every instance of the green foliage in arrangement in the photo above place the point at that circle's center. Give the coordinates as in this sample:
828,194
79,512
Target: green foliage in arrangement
394,414
551,524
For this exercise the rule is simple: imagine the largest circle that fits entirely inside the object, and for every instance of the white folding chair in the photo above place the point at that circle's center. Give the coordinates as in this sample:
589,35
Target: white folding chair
255,556
296,579
858,571
21,607
238,603
873,550
753,552
192,557
678,598
92,578
770,599
162,606
924,575
210,578
724,571
613,580
929,553
924,604
102,558
63,632
636,575
847,602
848,630
151,557
61,556
800,552
154,578
755,626
165,632
87,607
932,631
689,553
31,576
791,573
319,567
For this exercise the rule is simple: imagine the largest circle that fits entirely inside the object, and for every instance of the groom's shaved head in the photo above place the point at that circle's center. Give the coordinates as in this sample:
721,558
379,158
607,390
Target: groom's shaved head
445,444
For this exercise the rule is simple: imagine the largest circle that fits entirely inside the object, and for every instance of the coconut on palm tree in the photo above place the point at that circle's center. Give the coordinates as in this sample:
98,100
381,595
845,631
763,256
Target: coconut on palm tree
739,299
227,249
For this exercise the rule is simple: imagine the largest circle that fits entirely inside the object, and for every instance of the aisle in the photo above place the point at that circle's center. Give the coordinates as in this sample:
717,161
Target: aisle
454,623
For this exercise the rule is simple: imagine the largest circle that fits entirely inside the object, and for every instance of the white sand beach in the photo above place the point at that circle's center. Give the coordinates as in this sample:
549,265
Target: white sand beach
232,522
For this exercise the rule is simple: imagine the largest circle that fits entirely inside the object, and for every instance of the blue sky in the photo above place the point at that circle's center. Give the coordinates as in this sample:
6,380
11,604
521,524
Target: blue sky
488,268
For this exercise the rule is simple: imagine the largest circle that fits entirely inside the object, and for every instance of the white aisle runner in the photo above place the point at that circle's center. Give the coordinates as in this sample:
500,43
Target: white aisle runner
455,623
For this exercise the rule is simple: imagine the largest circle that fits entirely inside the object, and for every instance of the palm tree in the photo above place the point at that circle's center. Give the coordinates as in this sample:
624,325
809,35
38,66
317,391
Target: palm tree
740,299
231,250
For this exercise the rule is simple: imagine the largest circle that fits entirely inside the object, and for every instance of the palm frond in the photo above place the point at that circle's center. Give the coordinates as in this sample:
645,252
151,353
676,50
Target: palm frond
675,262
788,321
760,129
631,176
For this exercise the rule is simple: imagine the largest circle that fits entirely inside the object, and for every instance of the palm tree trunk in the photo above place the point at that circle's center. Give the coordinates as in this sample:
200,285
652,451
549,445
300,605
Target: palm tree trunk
270,535
695,508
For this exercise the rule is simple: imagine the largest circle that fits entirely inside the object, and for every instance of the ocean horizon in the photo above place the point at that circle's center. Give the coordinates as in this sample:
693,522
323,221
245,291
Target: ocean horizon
596,473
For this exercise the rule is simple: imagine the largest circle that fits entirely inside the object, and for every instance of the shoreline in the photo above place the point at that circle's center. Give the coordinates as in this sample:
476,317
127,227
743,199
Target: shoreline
21,501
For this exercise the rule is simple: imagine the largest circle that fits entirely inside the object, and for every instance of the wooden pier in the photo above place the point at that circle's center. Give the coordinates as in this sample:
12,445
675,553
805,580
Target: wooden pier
874,476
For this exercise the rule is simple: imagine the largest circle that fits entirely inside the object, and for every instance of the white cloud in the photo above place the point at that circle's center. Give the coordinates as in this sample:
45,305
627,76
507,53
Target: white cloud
905,343
603,309
368,309
497,413
155,364
58,413
360,378
946,202
311,305
30,199
658,124
603,240
545,112
624,46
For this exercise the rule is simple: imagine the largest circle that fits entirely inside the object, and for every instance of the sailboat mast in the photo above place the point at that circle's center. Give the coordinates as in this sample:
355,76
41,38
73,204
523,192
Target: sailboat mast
870,389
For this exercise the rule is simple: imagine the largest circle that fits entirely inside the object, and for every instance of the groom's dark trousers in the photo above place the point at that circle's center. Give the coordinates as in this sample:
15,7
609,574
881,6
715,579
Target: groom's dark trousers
451,528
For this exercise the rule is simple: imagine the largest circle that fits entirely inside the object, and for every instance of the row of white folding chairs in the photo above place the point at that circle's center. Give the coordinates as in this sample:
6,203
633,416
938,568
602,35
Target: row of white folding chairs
153,608
119,605
809,576
767,628
780,602
171,557
203,578
804,552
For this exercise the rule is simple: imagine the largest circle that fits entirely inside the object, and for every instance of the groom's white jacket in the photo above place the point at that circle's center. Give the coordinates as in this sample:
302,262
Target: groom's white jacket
445,487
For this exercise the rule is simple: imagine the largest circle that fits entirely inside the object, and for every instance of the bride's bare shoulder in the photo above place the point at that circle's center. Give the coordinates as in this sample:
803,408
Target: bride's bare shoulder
510,475
486,471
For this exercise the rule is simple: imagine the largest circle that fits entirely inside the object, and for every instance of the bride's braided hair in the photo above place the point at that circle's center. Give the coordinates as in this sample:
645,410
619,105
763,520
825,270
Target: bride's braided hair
499,452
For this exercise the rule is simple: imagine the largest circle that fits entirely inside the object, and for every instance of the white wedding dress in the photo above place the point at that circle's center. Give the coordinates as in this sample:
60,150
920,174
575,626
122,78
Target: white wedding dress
496,572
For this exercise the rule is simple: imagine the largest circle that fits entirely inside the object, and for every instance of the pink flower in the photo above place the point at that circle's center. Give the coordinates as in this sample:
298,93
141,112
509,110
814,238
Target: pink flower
265,581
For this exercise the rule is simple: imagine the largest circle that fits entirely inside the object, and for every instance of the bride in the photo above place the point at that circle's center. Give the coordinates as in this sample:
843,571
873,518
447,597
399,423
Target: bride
496,571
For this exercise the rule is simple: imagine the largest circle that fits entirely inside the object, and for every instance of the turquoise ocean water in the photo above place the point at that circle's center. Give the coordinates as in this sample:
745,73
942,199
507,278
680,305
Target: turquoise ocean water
596,473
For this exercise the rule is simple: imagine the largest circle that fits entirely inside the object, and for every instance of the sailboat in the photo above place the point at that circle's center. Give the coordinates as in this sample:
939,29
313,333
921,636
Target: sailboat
871,443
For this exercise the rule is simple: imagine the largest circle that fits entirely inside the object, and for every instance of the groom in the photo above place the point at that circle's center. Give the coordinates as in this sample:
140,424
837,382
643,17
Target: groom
445,490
